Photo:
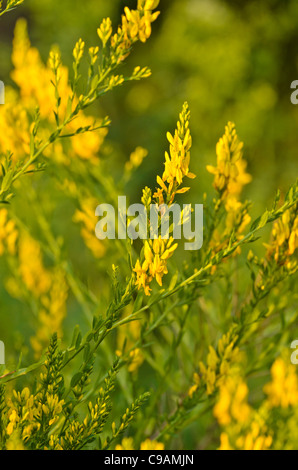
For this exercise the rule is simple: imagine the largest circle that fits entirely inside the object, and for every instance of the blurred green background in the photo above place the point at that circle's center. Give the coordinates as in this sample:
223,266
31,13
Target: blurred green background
231,60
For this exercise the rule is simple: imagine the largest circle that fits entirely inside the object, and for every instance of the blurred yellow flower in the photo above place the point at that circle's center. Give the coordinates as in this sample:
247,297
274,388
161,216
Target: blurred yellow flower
156,254
126,444
86,217
284,237
229,174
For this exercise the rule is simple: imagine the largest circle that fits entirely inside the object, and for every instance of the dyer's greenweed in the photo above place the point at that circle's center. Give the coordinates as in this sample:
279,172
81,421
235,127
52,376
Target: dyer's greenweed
164,346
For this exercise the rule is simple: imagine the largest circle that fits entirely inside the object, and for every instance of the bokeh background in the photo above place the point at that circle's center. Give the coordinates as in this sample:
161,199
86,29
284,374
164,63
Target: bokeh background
232,60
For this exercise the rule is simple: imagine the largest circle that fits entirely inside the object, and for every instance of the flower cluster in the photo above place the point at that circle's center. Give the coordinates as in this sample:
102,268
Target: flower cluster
229,179
136,26
10,5
128,335
46,288
245,428
229,174
128,444
228,328
8,234
156,254
46,419
177,161
248,428
137,23
29,416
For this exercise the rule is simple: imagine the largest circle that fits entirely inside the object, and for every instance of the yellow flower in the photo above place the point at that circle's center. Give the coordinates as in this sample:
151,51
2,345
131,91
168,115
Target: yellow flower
54,443
220,364
136,359
34,80
105,31
36,278
136,158
14,126
232,403
152,445
47,286
148,4
194,388
236,184
229,179
224,442
8,234
137,23
86,145
212,358
143,279
15,442
126,444
53,407
282,391
86,216
176,161
284,237
229,174
156,254
78,50
13,420
251,442
237,216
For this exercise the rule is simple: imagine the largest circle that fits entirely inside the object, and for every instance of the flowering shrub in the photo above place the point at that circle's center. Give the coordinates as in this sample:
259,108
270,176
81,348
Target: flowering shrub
163,347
